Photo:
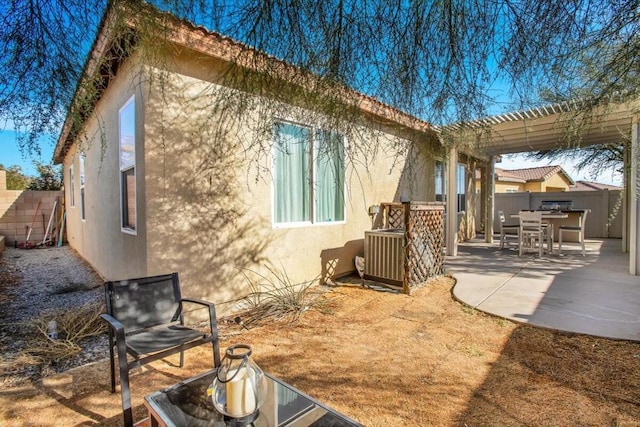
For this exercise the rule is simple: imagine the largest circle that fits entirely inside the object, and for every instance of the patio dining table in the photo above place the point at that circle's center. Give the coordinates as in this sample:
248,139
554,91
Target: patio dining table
549,218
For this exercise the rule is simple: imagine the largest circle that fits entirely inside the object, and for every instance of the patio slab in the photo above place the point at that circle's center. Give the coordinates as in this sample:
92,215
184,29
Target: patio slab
592,295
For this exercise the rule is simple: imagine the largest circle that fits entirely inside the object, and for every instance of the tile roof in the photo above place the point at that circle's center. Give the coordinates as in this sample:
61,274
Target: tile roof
593,186
540,173
506,175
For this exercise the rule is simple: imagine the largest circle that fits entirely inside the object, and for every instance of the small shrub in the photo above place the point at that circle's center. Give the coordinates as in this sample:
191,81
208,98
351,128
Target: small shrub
277,297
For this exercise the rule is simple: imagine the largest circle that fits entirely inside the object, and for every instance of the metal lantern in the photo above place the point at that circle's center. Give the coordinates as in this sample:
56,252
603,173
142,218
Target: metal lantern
239,387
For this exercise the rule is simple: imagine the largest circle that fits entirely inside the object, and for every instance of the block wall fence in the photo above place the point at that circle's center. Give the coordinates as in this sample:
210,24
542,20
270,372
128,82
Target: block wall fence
21,210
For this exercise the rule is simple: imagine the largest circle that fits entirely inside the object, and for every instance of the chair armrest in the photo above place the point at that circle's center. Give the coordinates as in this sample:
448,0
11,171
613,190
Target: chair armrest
113,323
208,304
213,323
198,301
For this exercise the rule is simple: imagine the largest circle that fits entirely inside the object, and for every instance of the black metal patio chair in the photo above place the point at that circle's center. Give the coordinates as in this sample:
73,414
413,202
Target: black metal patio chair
146,322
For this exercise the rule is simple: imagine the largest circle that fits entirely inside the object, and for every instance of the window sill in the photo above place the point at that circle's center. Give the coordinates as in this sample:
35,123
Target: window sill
130,231
282,226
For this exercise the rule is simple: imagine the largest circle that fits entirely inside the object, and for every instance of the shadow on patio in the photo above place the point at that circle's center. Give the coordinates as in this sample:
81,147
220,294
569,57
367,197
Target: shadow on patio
592,295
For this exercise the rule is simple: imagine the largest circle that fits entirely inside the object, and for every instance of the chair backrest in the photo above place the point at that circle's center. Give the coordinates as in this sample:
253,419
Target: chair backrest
530,220
583,219
144,302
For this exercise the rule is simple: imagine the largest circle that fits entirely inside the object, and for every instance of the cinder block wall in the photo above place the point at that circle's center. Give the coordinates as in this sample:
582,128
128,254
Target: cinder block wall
21,210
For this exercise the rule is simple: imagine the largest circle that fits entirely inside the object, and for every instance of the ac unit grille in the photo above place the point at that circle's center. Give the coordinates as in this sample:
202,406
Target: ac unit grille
384,256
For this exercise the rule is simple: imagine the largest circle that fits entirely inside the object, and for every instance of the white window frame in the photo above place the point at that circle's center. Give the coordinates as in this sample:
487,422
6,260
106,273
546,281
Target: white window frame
313,222
125,169
83,212
72,197
440,172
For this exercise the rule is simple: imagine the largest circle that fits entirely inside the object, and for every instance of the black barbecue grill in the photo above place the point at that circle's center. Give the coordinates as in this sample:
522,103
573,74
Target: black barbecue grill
556,205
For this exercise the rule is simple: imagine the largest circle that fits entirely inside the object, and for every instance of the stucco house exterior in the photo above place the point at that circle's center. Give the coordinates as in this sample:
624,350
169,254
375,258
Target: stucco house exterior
191,152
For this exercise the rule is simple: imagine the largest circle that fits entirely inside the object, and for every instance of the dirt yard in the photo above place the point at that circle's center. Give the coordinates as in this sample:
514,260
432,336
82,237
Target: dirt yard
387,359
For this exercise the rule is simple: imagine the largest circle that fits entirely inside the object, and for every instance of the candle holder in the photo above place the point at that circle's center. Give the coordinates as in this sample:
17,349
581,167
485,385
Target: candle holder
239,388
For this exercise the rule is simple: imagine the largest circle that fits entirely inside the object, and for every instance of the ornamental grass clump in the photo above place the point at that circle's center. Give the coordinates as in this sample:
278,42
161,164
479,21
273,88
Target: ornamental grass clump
276,297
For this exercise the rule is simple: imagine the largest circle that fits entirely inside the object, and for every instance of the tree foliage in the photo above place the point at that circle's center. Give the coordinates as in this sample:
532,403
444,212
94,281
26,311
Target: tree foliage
598,159
49,177
16,179
439,60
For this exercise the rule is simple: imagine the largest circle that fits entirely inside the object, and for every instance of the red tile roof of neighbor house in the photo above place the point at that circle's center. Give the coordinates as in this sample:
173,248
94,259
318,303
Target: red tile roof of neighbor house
593,186
536,174
540,173
505,175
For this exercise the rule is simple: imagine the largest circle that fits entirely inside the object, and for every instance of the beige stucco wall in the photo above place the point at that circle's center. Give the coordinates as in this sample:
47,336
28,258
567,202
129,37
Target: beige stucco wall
556,182
208,187
503,187
99,239
204,186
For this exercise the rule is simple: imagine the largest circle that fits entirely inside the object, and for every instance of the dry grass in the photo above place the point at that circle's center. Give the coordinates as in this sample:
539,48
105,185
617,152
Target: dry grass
389,359
73,326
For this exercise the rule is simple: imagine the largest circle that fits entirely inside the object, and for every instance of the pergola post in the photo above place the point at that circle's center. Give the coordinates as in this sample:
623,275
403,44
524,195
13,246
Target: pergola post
633,189
487,192
452,205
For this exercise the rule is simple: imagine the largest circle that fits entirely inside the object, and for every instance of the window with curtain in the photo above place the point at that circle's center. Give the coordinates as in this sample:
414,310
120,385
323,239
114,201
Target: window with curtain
329,174
308,175
127,142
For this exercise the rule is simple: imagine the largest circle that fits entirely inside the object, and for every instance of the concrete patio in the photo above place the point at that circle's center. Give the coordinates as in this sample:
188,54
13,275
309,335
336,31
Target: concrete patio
592,295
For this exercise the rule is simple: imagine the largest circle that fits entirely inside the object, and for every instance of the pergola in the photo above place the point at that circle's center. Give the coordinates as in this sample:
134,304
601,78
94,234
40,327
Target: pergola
557,126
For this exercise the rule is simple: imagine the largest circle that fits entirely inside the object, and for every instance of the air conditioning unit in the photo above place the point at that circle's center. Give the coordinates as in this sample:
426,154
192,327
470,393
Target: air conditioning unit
384,256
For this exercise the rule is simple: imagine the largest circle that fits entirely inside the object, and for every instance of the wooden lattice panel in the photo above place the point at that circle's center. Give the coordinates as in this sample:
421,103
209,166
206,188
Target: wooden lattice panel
395,217
425,243
423,225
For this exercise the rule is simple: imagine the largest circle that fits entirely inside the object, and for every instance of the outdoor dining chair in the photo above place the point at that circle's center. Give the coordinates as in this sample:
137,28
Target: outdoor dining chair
532,233
146,322
578,229
507,230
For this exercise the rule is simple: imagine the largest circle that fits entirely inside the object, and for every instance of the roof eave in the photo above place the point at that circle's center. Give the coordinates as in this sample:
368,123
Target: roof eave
215,45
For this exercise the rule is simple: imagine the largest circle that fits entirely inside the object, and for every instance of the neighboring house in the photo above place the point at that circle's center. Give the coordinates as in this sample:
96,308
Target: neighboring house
536,180
195,153
593,186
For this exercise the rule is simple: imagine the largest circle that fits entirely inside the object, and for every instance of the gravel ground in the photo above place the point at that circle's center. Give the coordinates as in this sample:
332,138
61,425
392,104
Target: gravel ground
32,283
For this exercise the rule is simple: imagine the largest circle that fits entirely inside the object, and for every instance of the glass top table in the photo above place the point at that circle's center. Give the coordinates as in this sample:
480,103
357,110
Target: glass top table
187,404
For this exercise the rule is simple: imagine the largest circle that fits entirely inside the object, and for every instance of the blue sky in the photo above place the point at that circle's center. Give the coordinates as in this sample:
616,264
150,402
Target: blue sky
10,152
